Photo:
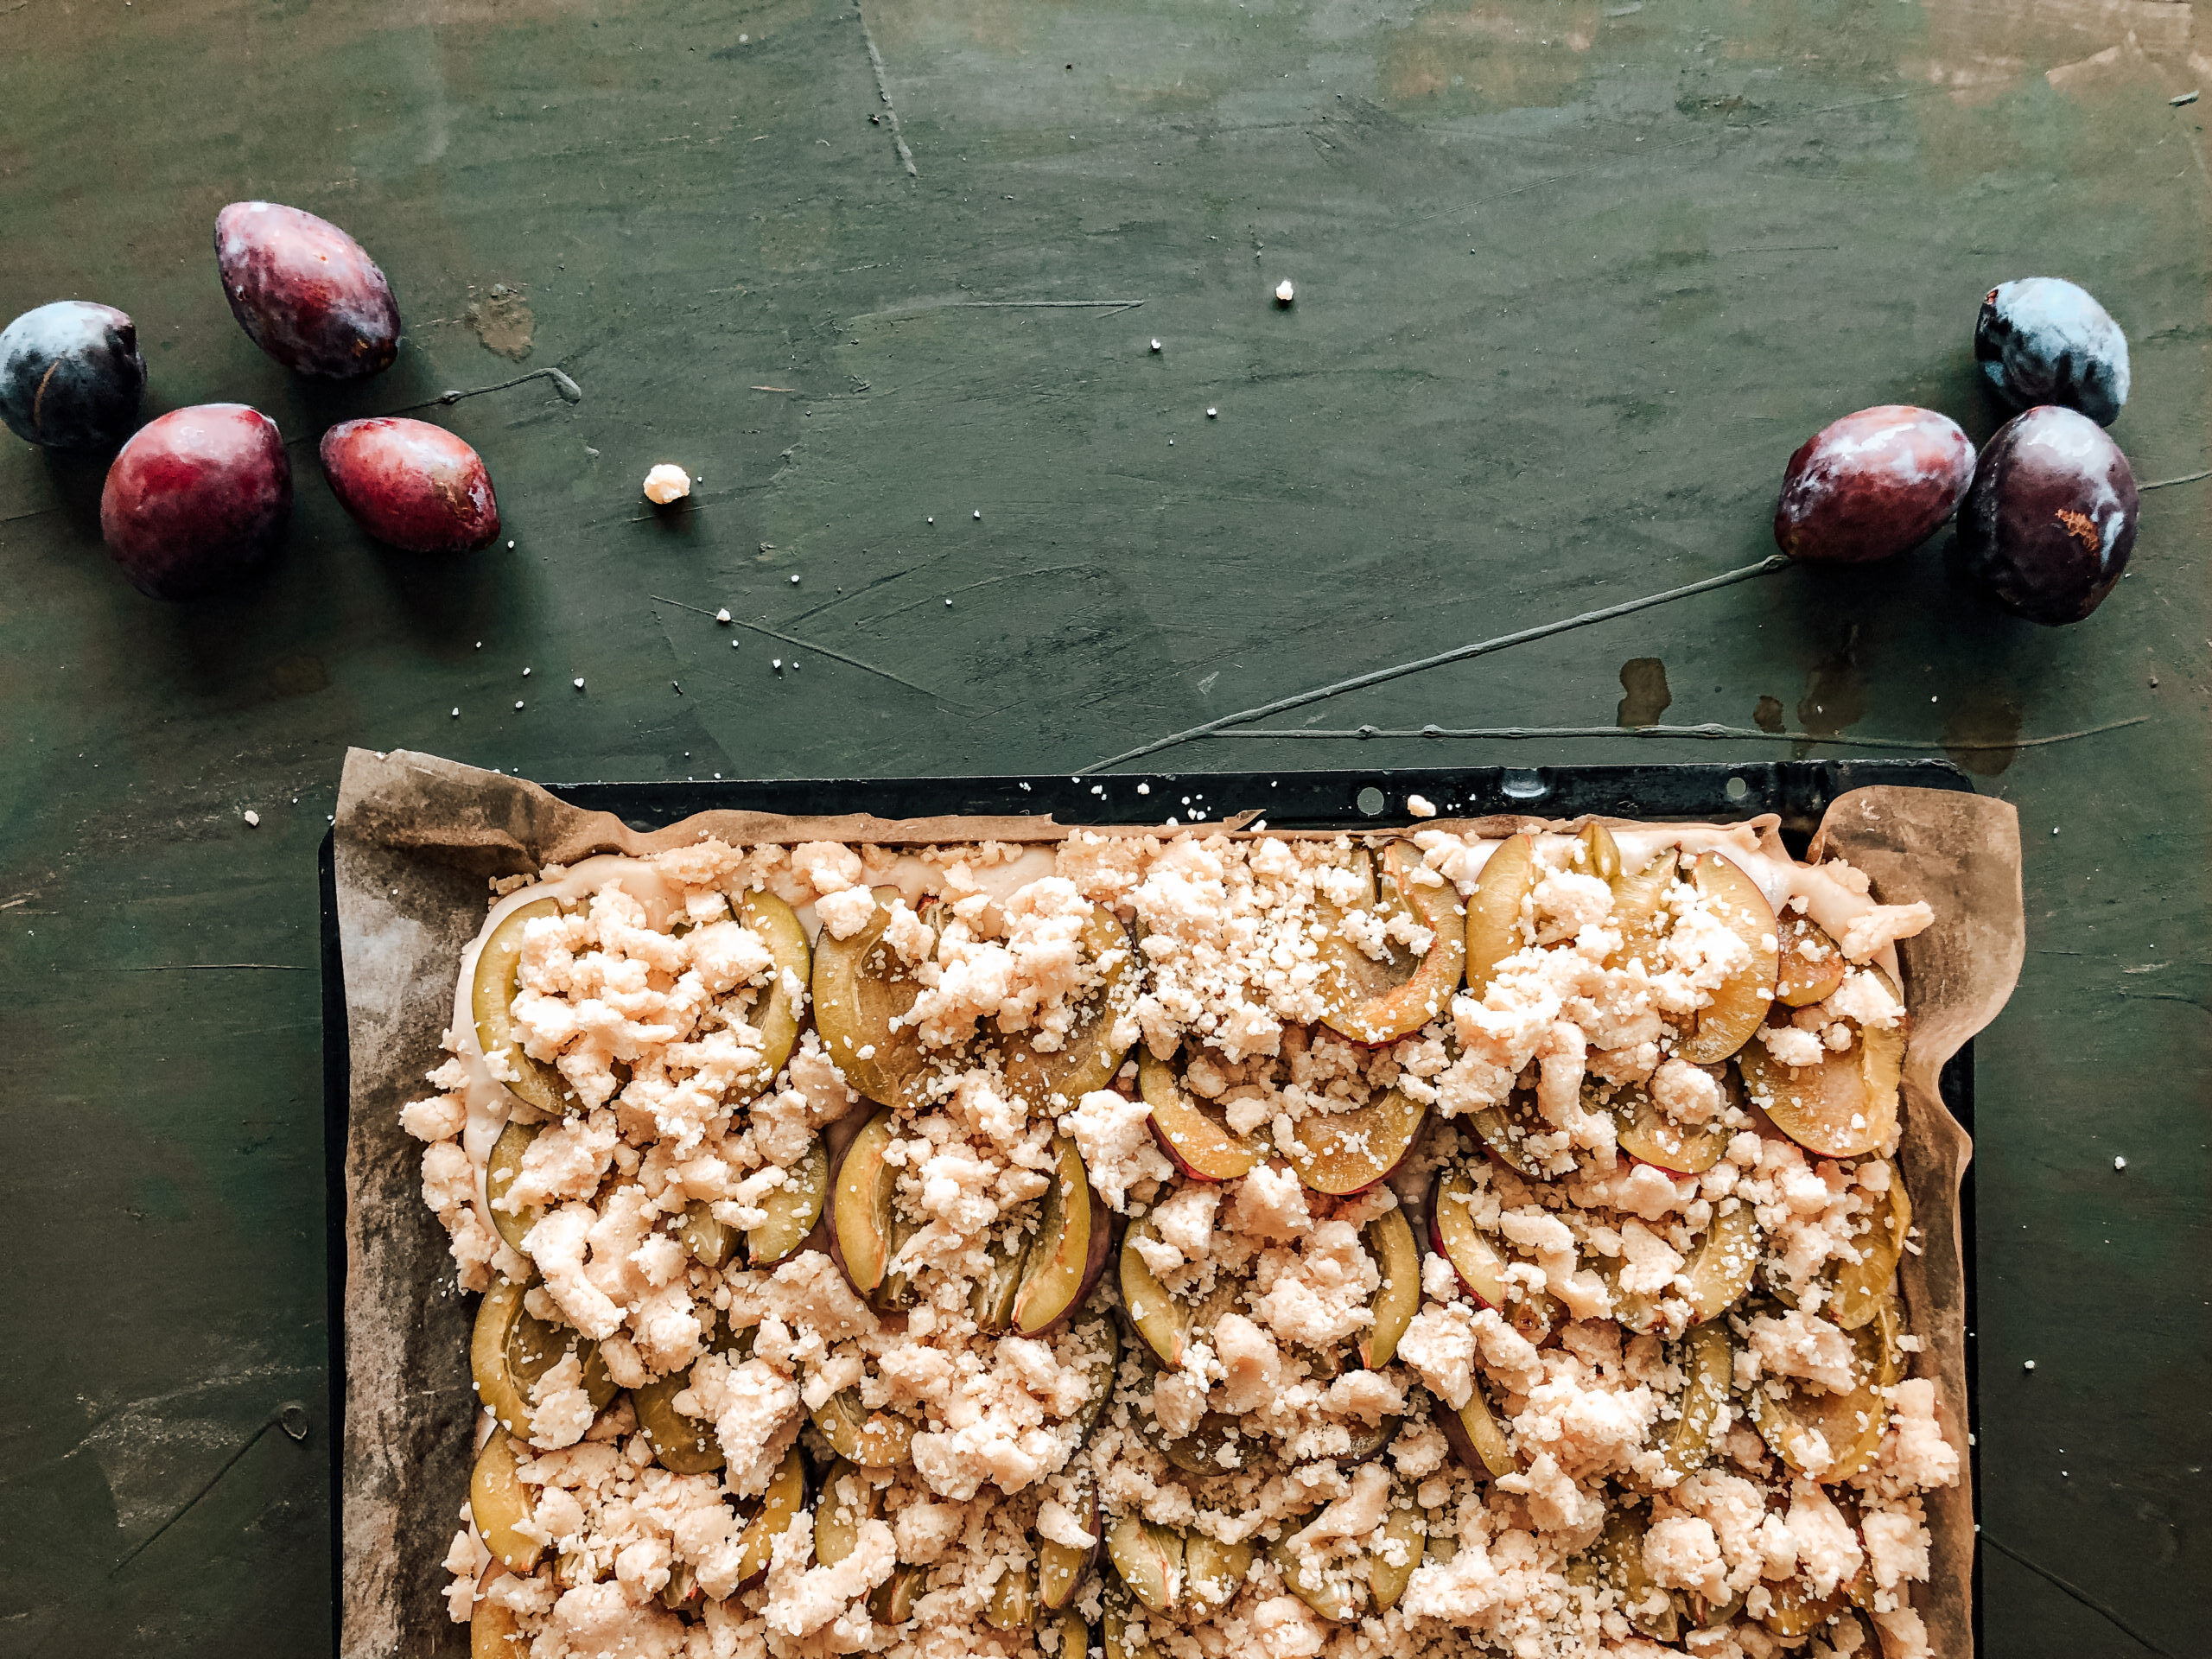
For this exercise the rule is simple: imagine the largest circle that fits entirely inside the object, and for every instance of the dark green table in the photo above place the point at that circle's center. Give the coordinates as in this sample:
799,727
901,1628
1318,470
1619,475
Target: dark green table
1573,280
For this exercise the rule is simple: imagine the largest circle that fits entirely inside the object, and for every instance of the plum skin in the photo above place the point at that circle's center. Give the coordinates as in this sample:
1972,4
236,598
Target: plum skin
1871,486
2042,339
412,485
306,292
198,498
71,376
2049,521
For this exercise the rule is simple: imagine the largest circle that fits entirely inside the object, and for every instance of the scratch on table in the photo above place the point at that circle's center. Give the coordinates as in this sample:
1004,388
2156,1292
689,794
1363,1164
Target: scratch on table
2166,483
2088,1601
1458,653
1107,307
291,1417
806,644
1705,731
867,587
988,582
213,968
883,90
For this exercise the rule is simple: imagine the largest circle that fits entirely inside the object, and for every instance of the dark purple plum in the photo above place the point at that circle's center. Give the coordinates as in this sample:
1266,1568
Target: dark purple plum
1873,484
71,376
305,292
2043,340
198,497
2049,521
413,485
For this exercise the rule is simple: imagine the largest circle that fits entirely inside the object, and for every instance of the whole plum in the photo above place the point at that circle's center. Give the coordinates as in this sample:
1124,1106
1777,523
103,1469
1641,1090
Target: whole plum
198,498
305,292
1872,485
2049,521
2042,339
71,376
413,485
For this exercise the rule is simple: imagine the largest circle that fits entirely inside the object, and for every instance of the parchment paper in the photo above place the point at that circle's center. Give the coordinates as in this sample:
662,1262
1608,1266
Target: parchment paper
417,836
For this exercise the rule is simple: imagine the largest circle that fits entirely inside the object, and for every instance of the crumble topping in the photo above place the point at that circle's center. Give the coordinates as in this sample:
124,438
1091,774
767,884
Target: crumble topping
1610,1364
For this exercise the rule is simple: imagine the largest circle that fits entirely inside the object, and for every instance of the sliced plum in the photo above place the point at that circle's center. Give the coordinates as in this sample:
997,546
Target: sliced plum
1741,1002
1476,1437
1494,914
862,989
1862,1287
1087,1056
1406,1529
1707,1358
1060,1566
1649,1136
1056,1272
1197,1139
775,1012
1372,1001
1637,910
501,1506
491,994
1827,1436
1389,1242
1844,1106
1344,1153
861,1204
792,1211
1453,1236
1812,966
682,1444
1149,1559
500,1169
1214,1572
1721,1265
782,1506
1512,1133
878,1438
1337,1597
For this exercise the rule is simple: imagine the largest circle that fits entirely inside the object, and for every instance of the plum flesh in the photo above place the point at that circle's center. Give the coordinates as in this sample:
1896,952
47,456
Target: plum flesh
71,376
2042,339
198,498
2050,522
306,292
409,484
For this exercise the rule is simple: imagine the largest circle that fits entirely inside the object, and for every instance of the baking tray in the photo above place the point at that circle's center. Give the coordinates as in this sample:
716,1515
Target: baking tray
1350,799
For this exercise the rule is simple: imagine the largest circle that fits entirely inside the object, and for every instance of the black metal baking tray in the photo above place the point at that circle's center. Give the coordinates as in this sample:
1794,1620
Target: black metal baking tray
1797,792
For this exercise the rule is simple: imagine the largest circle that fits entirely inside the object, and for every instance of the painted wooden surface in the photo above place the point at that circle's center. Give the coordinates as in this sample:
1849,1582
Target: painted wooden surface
1572,279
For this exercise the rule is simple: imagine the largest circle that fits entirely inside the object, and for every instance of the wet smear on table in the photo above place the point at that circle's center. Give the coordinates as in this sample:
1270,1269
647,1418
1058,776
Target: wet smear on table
1452,57
1768,715
1644,679
1835,693
1980,730
300,675
503,321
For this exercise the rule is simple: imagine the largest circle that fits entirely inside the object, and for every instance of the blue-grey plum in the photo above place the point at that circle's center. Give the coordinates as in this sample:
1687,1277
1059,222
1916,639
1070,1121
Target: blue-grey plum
198,498
71,376
2050,520
2043,340
305,292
